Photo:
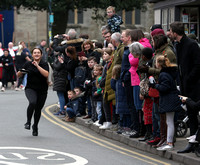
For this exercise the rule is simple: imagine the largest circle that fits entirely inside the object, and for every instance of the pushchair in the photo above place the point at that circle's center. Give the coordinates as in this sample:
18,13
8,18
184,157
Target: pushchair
181,124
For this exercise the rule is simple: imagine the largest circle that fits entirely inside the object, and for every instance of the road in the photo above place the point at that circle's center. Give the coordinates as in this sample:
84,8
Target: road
59,143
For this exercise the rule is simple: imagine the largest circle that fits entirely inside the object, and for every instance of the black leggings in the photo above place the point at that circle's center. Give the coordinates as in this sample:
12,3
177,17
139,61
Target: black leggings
36,102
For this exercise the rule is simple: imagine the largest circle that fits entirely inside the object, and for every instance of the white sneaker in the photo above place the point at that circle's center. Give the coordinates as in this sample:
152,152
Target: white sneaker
98,125
191,137
107,125
165,147
3,89
96,122
17,89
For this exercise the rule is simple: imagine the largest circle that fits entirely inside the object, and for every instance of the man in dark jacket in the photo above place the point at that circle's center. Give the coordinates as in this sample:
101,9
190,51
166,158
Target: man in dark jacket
126,81
188,58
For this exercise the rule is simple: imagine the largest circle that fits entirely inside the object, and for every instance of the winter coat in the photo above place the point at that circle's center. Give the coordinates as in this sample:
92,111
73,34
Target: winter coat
114,23
74,104
61,47
118,54
169,100
135,80
60,76
82,103
71,66
145,42
91,53
98,90
125,75
120,97
109,93
188,57
195,106
165,49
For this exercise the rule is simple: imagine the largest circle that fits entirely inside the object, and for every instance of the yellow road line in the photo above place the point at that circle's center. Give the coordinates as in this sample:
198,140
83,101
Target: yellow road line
104,141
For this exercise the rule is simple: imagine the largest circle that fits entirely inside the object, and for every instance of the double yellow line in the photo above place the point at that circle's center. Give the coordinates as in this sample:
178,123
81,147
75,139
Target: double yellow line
78,132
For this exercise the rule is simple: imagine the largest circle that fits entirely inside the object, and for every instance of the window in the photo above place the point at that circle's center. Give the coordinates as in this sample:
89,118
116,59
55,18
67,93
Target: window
190,18
75,16
165,19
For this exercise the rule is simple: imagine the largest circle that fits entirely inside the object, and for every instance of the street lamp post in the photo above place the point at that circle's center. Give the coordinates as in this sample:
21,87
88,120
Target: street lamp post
51,19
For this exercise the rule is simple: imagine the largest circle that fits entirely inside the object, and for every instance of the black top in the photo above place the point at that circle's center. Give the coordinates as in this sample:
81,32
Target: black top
20,60
35,79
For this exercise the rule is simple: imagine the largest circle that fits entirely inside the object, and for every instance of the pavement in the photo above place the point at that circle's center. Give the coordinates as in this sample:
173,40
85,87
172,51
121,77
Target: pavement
186,158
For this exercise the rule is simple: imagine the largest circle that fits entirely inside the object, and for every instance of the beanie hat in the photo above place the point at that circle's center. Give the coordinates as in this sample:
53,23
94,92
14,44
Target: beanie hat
157,31
147,52
156,26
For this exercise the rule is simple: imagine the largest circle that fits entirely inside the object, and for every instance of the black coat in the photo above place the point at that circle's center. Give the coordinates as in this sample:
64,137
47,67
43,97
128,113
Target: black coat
188,58
169,100
60,76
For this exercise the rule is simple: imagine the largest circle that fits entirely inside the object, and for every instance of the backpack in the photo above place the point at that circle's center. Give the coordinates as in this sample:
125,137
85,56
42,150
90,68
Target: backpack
80,73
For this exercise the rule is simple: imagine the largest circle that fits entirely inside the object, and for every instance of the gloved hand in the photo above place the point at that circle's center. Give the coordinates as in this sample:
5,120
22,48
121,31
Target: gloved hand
143,69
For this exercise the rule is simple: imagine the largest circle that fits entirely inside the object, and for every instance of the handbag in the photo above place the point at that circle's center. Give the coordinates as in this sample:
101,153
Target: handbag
144,86
153,92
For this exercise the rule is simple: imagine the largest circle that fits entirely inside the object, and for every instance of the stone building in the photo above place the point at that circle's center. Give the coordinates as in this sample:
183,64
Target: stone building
32,26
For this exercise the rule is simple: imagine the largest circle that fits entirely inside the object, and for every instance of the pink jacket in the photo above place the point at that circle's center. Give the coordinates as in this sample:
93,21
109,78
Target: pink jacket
135,80
145,42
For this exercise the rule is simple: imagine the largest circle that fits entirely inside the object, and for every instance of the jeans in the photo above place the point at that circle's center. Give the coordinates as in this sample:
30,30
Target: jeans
98,105
156,120
89,106
71,113
36,102
61,98
24,80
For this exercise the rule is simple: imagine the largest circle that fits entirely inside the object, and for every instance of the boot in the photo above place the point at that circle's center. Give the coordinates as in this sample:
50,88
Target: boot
148,134
189,148
142,128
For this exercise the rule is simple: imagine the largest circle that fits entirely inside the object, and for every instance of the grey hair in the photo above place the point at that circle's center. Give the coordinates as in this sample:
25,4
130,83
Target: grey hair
116,37
72,34
105,27
136,48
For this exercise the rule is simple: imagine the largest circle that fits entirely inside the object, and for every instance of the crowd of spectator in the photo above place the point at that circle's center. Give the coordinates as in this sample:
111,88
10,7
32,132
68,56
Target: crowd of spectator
128,83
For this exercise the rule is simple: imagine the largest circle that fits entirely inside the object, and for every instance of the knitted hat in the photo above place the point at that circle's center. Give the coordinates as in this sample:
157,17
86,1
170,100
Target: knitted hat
147,52
156,26
157,31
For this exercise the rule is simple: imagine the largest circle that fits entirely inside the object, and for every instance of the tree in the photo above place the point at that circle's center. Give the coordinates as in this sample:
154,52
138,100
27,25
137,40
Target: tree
60,8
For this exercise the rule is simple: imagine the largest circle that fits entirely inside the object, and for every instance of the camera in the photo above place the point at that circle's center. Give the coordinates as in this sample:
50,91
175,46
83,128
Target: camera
60,37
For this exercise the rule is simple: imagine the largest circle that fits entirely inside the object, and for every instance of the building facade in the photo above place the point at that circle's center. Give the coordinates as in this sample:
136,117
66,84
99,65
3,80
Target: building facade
32,26
186,11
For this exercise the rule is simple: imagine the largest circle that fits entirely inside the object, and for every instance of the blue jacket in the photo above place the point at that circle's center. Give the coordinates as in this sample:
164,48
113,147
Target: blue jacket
169,100
75,105
120,96
125,75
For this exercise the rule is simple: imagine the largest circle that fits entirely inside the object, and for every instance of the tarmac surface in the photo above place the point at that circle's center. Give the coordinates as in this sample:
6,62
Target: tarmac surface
186,158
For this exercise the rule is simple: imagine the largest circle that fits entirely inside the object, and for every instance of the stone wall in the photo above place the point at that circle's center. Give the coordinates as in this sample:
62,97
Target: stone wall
30,26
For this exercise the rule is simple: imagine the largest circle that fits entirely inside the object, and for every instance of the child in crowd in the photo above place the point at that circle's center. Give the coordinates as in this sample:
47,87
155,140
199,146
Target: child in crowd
135,53
107,55
114,21
82,99
97,93
146,59
121,100
169,101
72,107
88,86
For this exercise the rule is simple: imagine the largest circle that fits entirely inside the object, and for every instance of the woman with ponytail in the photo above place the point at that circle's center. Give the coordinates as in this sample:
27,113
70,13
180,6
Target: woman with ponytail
169,101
